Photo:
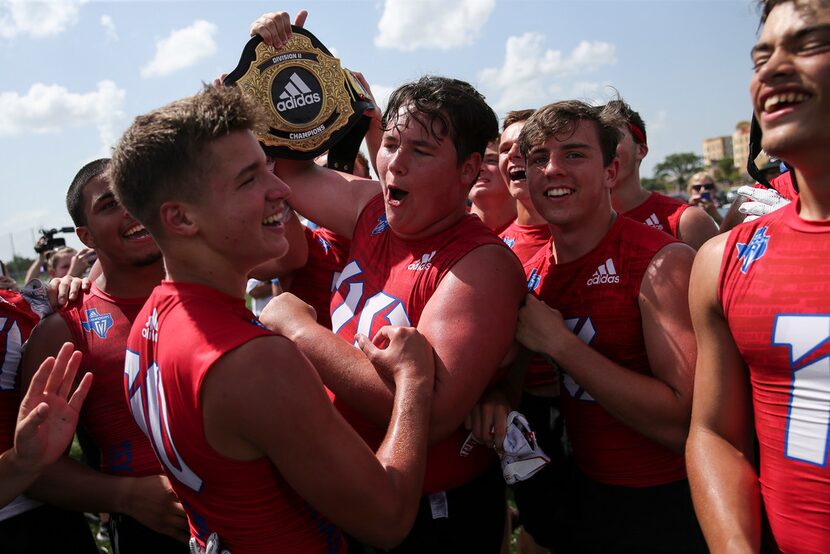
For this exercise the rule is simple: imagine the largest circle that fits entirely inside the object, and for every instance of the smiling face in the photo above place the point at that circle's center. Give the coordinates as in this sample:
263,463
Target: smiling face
424,186
116,236
490,188
512,163
790,88
568,181
244,208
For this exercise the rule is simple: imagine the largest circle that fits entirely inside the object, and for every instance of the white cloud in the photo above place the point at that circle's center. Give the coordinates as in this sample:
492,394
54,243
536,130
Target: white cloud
381,94
526,78
182,49
36,19
109,25
438,24
52,109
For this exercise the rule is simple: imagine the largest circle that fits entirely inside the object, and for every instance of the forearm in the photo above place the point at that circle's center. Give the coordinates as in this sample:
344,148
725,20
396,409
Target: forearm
642,402
725,492
347,372
14,477
71,485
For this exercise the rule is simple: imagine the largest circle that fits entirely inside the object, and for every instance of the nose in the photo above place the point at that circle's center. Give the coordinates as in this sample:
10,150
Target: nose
397,162
553,167
778,65
277,189
515,154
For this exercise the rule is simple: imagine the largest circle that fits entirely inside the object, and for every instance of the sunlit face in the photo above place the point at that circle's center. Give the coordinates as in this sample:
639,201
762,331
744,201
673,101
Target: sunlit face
629,154
512,163
790,87
116,236
568,182
490,189
243,213
59,264
424,187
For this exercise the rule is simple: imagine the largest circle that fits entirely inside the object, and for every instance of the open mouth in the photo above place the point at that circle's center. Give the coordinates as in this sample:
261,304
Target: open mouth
278,218
516,173
784,100
397,194
558,192
136,232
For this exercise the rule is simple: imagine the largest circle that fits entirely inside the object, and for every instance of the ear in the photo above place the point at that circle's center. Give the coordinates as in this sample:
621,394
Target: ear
176,219
85,236
470,168
610,173
642,151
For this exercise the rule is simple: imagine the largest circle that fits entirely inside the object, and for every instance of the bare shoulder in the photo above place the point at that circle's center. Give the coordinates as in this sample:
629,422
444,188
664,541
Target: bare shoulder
696,227
671,262
488,264
45,340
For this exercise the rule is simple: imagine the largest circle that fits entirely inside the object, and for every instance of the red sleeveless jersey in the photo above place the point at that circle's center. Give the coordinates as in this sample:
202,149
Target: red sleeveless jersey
179,334
525,241
776,298
597,295
388,281
660,212
328,252
100,324
16,322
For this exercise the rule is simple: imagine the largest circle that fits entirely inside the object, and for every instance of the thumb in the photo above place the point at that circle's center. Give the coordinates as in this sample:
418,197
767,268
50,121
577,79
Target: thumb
27,427
366,346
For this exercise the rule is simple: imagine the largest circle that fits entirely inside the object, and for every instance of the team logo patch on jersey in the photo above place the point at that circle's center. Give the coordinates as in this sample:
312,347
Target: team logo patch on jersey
97,323
533,280
381,226
422,264
754,250
606,273
509,242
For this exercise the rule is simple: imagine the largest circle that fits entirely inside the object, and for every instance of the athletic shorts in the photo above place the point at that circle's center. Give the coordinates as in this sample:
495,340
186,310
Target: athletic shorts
658,519
475,514
46,529
128,536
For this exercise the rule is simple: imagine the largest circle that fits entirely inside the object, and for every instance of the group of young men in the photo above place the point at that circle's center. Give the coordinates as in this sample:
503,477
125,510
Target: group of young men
279,434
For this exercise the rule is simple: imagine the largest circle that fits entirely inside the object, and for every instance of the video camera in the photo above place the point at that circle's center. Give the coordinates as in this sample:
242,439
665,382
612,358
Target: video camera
48,241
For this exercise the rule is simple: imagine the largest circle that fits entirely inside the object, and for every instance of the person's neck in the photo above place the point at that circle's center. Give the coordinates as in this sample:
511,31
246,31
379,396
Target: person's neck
571,242
495,217
526,214
814,191
191,264
129,281
628,194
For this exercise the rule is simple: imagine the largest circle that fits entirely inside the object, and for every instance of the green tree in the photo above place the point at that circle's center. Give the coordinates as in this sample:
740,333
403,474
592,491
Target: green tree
726,172
658,185
18,266
678,168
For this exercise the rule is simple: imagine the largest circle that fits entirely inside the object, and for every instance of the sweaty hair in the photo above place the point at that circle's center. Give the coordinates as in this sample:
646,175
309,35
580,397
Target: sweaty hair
632,118
560,120
808,6
515,116
446,107
74,196
163,155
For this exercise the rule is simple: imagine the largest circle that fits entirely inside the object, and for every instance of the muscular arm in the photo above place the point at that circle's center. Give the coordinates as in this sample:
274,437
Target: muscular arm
724,484
469,321
696,227
250,410
72,485
657,405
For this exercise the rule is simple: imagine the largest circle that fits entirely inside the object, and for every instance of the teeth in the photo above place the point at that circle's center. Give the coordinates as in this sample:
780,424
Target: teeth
784,98
278,217
137,228
557,192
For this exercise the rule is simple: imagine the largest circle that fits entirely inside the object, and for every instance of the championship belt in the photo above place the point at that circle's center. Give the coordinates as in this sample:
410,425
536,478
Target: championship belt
313,105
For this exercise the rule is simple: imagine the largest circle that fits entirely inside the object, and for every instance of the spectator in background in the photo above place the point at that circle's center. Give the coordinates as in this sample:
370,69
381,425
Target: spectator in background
702,192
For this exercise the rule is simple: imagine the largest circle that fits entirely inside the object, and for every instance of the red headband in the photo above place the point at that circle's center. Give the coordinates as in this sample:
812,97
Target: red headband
637,132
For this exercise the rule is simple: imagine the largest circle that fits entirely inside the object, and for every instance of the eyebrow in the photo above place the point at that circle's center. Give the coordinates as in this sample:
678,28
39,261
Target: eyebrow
247,169
795,37
104,197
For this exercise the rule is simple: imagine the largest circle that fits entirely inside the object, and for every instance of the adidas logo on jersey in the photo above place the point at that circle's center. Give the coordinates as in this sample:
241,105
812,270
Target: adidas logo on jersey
296,95
605,273
423,264
151,328
652,221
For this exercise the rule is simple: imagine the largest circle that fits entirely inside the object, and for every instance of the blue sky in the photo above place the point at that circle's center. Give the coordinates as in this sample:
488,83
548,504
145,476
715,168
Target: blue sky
74,74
